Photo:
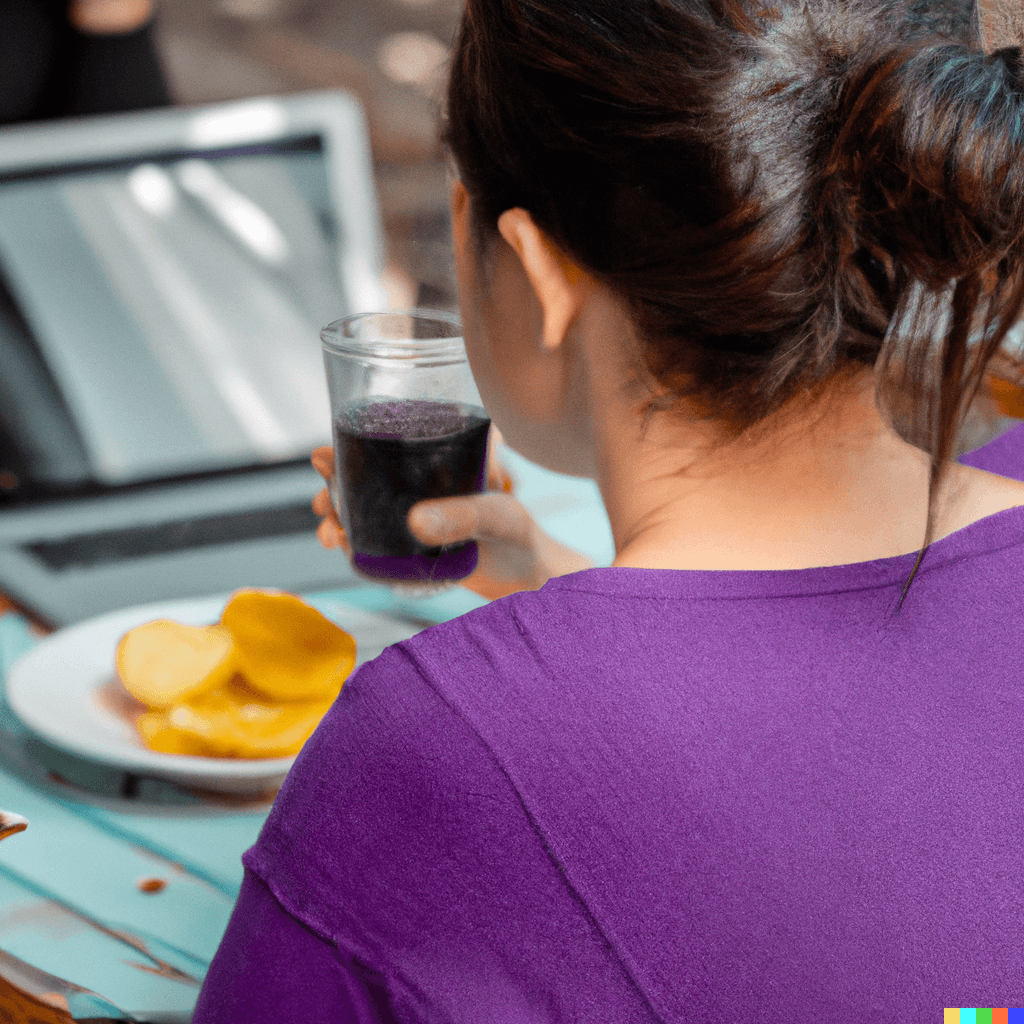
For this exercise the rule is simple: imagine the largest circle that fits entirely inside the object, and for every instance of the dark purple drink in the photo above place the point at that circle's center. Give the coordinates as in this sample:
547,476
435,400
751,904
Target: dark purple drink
388,455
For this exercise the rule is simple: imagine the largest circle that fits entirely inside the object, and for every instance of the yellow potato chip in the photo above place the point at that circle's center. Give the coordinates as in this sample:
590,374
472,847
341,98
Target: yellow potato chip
286,649
164,662
233,721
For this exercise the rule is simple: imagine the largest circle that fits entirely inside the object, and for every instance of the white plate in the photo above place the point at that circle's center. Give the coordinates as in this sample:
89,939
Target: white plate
56,689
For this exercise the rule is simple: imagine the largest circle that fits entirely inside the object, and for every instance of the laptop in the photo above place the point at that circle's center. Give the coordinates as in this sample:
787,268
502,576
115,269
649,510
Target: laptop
163,279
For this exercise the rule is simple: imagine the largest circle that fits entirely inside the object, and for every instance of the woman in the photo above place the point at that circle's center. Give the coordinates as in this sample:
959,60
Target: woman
766,765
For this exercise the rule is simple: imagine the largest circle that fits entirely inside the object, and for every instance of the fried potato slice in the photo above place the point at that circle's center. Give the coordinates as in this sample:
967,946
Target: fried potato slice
235,721
285,648
158,734
163,663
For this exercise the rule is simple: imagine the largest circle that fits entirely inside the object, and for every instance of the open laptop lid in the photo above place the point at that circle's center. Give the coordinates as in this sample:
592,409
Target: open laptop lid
163,279
165,276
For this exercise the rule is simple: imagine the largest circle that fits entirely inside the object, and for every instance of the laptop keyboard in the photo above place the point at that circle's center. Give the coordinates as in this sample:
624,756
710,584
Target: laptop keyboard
93,549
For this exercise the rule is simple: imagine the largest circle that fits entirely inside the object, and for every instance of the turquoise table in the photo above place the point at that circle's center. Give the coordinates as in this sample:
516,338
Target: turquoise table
115,898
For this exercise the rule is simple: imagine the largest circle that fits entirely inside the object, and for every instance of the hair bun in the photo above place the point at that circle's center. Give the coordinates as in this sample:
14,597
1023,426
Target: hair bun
929,146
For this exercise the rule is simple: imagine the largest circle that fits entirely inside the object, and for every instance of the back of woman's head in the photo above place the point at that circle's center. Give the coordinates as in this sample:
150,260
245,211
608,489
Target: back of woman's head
781,192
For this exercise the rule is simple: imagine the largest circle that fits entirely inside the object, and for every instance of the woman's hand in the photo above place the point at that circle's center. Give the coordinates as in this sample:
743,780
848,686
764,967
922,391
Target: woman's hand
515,554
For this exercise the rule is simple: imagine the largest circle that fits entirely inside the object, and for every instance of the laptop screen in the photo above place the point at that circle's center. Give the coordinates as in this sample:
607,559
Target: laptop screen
160,317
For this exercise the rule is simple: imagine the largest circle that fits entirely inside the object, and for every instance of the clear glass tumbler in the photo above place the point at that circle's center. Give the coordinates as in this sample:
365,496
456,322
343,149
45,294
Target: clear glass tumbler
408,424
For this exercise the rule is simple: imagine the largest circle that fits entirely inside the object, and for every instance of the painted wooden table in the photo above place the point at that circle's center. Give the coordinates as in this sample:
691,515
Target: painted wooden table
114,899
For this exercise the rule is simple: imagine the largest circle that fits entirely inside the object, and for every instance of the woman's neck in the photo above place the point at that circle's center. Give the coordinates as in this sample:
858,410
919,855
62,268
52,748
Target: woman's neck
830,486
1002,23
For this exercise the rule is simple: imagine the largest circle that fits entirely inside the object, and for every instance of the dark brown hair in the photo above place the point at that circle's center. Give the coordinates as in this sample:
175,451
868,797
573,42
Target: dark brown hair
782,192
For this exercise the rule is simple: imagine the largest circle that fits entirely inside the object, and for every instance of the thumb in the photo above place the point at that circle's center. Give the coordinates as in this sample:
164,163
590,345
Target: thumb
489,516
443,521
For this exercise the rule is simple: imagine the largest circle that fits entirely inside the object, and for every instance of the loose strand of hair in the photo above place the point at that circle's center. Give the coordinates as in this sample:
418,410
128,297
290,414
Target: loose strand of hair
962,376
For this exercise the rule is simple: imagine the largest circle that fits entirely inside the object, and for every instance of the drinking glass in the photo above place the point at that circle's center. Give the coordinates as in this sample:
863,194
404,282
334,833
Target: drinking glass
408,424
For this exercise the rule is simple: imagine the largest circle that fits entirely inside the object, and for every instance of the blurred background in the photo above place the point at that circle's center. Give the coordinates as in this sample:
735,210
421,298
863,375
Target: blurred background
391,54
161,381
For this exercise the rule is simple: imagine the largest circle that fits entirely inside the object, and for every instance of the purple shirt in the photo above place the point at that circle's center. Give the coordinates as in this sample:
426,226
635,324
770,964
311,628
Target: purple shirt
654,795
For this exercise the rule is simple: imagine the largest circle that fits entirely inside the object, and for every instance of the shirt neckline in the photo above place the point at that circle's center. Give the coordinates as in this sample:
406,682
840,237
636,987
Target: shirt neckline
989,534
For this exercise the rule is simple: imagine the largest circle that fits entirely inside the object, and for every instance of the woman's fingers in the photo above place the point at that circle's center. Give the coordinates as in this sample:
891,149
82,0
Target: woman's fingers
322,503
323,461
330,532
479,517
498,478
514,553
505,534
331,535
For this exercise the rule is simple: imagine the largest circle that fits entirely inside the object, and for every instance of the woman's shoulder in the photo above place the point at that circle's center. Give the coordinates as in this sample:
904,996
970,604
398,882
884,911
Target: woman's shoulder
986,481
974,495
1003,455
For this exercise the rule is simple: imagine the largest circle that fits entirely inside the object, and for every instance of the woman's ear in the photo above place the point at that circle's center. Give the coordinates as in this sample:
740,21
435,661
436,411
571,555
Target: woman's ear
458,204
559,284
